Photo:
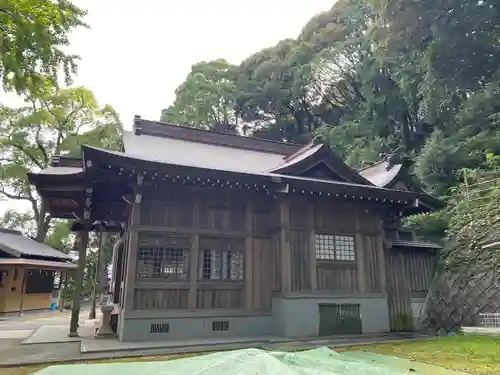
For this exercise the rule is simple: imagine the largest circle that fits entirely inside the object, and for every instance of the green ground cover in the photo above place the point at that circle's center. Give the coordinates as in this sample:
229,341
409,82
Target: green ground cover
473,355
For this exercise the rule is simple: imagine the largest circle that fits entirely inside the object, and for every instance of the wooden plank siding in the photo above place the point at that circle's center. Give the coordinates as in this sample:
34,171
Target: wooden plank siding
299,254
208,218
409,272
277,237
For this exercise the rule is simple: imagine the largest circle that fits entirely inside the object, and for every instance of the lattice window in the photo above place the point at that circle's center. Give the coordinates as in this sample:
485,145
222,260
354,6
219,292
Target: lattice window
221,259
169,263
335,247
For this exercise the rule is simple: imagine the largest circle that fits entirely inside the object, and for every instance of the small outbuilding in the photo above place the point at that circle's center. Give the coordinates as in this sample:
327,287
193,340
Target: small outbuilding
27,271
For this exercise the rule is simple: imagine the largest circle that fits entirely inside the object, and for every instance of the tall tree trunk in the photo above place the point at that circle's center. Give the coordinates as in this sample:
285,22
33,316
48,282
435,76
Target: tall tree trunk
43,221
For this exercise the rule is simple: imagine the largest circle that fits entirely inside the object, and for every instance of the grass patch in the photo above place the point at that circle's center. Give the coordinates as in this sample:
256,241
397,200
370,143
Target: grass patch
478,355
471,354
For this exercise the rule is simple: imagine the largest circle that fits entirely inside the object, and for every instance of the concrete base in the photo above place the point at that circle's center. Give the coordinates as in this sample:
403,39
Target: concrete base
298,316
292,316
140,329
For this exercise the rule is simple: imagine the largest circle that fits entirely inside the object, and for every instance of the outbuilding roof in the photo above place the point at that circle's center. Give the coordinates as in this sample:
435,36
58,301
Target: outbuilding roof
15,244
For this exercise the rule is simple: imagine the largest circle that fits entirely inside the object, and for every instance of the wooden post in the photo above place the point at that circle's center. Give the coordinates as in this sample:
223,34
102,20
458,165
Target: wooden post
381,255
312,247
23,292
83,239
360,254
118,273
381,262
97,274
286,282
133,243
193,255
248,275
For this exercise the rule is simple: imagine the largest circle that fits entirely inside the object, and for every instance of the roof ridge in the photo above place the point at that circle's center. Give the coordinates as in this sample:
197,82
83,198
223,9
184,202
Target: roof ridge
299,152
163,129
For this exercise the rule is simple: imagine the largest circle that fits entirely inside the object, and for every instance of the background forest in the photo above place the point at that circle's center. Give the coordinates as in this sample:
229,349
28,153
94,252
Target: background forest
370,76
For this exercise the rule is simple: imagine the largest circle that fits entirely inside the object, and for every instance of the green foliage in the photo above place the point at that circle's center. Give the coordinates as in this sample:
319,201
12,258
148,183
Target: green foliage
206,98
32,37
429,225
53,122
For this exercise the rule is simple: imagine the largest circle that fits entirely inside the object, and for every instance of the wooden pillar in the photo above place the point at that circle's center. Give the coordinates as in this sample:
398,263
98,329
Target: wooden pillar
132,247
248,255
23,292
381,255
312,247
82,242
286,281
118,272
360,254
193,255
381,262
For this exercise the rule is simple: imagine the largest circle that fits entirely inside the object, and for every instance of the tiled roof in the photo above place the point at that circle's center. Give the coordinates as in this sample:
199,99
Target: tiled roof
15,244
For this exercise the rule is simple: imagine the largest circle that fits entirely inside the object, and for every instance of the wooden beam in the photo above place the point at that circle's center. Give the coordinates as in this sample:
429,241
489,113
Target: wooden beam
200,231
360,254
132,250
284,214
23,292
248,256
380,241
194,254
312,247
193,272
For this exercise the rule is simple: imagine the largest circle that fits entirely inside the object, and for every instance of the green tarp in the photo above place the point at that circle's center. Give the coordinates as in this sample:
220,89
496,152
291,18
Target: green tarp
321,361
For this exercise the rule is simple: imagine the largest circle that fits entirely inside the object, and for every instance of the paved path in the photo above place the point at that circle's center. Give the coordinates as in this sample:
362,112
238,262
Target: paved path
14,330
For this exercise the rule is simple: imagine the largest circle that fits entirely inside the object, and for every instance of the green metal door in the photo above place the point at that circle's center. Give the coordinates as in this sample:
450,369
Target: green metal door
344,319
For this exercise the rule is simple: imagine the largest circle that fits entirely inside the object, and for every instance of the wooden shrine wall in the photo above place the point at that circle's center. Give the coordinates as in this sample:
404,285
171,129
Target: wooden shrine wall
309,217
203,225
409,274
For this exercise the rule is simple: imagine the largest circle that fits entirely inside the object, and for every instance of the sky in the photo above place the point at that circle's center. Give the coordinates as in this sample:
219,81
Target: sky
137,52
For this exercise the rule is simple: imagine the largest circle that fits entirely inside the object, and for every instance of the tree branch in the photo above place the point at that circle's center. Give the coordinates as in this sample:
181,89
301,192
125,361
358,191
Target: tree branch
31,157
16,197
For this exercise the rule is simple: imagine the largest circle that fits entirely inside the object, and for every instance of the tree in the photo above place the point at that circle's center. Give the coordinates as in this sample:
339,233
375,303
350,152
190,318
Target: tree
53,122
273,92
206,98
32,37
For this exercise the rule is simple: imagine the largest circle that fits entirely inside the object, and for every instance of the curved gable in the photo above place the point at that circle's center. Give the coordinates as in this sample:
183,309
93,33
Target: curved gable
317,160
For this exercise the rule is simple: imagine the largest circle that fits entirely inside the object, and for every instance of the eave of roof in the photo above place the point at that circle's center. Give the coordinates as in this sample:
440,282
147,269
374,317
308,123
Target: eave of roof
15,244
43,264
415,244
379,174
108,158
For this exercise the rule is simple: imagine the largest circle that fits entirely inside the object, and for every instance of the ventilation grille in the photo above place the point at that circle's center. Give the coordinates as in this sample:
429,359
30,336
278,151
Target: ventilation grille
159,328
222,325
